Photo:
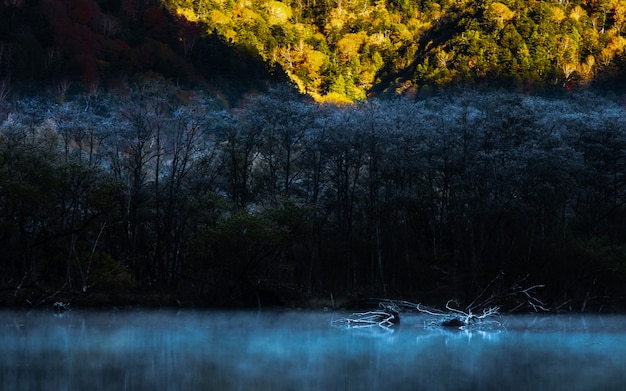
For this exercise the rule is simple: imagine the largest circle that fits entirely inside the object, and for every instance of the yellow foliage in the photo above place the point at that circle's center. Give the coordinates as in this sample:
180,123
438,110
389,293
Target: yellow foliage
230,35
619,16
577,13
355,93
350,44
500,13
366,79
435,12
188,14
249,16
443,58
615,47
379,39
219,17
318,36
305,30
557,15
314,61
617,44
302,59
338,18
403,87
585,70
417,25
568,69
403,33
335,98
278,12
335,23
244,4
299,83
363,36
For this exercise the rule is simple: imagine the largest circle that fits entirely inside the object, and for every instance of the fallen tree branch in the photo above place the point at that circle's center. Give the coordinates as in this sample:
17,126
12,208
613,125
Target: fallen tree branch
455,317
478,314
517,293
386,317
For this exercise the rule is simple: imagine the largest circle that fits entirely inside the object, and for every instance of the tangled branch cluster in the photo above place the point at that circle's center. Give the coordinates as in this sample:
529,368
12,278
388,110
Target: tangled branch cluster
385,317
481,313
462,319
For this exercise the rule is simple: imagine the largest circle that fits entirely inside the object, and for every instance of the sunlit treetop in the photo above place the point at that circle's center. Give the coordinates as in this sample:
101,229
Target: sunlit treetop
351,48
339,49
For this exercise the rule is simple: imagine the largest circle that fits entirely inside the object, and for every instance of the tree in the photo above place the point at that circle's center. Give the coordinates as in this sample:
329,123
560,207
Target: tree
188,151
283,119
240,152
28,162
345,164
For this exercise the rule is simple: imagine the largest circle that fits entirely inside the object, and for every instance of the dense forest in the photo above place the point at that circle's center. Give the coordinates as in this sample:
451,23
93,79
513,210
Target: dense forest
229,153
344,49
284,198
333,50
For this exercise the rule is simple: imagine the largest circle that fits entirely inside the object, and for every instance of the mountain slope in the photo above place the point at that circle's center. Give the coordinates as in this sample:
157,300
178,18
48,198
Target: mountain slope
351,47
88,44
330,49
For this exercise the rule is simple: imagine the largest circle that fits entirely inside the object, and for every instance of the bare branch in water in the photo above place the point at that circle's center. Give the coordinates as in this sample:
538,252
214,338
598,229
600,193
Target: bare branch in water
455,317
480,313
386,317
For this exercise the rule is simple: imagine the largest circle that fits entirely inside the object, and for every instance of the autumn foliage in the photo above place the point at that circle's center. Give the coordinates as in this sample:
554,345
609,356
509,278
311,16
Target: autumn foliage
343,50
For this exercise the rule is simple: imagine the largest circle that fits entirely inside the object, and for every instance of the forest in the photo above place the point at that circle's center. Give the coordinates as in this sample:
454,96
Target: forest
284,199
346,49
331,50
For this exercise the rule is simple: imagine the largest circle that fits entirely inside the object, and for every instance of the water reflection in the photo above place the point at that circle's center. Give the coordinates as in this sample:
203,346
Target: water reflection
161,350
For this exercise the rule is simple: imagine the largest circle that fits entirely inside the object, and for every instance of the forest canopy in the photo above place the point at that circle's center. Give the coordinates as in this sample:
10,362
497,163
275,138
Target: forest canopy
165,189
345,49
333,50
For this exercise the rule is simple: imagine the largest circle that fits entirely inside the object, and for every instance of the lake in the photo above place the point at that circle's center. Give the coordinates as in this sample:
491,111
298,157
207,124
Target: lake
301,350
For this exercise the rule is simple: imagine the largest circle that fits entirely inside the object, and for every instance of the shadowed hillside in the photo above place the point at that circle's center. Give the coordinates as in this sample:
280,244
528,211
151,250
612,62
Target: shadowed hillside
94,45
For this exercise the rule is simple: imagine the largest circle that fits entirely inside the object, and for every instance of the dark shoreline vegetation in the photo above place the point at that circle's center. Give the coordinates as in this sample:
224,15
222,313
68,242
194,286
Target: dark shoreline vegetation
160,196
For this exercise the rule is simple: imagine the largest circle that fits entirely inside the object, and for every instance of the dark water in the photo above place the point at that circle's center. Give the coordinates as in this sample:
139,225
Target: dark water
205,350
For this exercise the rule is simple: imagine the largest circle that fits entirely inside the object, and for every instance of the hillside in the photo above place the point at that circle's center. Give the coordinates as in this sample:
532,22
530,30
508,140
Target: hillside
349,48
87,45
329,49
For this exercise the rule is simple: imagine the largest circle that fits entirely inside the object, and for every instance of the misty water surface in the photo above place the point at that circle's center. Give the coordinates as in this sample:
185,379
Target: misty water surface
297,350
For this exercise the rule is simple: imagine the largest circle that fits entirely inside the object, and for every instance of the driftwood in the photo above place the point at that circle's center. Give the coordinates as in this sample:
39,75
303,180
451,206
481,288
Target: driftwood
481,313
385,317
518,295
457,318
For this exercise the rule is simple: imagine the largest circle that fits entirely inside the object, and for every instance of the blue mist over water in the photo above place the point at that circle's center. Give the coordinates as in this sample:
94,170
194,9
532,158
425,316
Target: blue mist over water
300,350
